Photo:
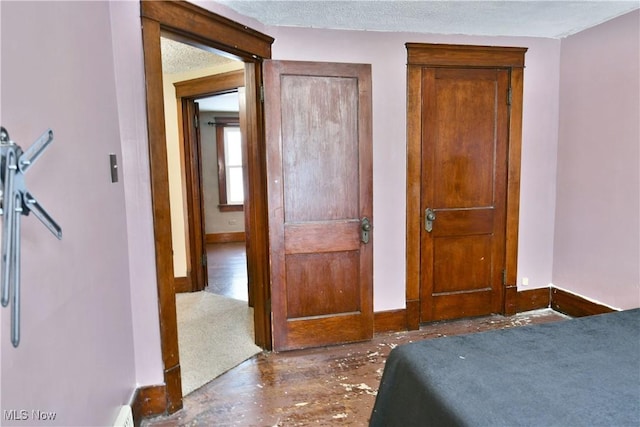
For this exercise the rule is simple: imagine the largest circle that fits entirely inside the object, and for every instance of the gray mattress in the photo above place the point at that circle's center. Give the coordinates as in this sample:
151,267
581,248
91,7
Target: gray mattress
578,372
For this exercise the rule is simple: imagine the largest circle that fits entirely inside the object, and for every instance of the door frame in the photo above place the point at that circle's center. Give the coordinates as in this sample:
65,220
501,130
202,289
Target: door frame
202,28
420,55
187,91
194,222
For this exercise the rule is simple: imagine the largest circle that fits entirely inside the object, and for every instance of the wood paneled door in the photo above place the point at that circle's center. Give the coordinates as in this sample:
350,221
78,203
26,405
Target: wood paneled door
319,173
462,104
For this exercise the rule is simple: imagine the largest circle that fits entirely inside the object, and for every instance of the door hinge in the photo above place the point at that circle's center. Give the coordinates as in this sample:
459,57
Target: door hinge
509,96
195,121
204,260
262,94
504,277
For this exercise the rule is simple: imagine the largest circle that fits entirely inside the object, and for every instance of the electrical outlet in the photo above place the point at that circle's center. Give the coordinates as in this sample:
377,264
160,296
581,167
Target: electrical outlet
525,281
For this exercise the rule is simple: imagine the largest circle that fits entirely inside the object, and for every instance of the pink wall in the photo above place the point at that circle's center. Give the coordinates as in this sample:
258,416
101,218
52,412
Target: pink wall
131,103
90,330
387,54
597,237
76,357
131,95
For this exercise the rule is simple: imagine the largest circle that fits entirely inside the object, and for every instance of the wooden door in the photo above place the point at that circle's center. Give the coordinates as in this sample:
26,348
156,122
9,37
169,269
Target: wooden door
319,173
196,247
463,194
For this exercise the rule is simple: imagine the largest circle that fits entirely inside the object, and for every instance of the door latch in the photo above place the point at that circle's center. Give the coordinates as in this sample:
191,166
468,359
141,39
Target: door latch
365,230
429,217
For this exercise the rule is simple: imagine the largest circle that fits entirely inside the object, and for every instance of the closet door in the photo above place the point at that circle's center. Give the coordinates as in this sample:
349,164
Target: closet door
464,155
464,115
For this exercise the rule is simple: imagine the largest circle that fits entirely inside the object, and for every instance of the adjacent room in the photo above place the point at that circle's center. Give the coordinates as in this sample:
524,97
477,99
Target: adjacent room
214,318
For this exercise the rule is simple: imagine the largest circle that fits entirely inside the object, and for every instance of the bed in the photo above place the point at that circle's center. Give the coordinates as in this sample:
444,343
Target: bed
577,372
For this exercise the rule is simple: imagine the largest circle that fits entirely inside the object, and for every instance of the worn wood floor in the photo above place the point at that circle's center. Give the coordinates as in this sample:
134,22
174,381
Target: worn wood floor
227,270
317,387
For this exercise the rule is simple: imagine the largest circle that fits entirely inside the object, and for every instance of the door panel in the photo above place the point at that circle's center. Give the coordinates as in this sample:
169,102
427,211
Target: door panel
464,149
329,293
317,237
320,147
319,172
453,252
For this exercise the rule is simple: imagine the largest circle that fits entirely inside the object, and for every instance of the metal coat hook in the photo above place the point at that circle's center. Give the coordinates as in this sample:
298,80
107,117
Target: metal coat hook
15,200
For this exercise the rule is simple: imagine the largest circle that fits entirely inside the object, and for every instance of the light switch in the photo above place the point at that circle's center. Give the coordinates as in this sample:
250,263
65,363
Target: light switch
113,162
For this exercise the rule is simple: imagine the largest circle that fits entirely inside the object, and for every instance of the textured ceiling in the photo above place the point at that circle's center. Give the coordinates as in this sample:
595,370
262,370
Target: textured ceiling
550,19
180,57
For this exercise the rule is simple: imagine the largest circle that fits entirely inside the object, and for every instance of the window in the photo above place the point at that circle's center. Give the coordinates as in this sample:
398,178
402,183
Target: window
229,146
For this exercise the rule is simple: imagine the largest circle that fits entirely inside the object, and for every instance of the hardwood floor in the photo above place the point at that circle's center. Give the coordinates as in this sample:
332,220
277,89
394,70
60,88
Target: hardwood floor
227,270
324,386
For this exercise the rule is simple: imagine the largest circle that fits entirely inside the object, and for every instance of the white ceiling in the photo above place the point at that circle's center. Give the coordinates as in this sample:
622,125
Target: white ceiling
227,102
550,19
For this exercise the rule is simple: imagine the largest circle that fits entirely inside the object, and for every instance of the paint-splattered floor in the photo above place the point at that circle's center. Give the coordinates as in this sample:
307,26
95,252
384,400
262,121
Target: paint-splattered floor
317,387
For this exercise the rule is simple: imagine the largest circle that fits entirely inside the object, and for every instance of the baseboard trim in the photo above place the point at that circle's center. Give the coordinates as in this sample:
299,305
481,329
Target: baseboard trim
148,401
390,321
239,236
559,300
533,299
574,305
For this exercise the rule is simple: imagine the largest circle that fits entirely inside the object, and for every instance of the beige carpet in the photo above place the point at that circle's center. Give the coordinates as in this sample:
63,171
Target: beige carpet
214,335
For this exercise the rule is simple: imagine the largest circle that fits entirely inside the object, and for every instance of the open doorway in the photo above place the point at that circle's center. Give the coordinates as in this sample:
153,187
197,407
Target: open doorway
205,163
222,163
200,28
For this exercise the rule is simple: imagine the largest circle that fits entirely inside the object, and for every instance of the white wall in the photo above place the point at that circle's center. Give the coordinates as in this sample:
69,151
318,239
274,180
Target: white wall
214,220
597,239
76,356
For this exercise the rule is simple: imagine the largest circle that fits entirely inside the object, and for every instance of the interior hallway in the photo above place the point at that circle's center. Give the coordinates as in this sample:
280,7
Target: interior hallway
323,386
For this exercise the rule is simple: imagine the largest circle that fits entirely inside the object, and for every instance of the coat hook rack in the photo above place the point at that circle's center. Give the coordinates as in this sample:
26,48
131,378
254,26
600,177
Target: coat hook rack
16,200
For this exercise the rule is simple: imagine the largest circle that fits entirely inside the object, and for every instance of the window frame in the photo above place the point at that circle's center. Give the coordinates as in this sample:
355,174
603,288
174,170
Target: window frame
222,122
